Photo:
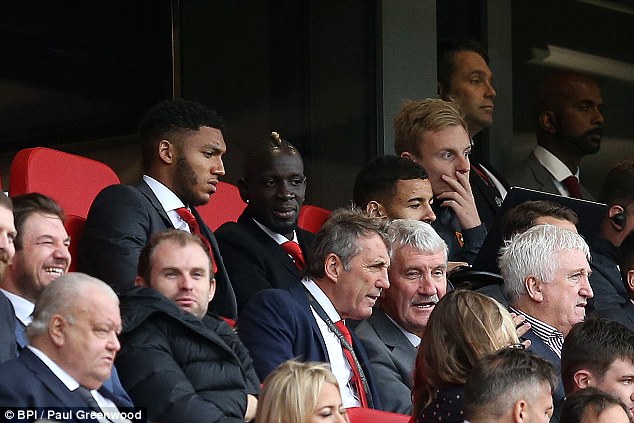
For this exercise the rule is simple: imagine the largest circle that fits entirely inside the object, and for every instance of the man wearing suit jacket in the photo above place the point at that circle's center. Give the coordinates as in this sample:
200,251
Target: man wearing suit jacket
273,185
73,345
464,77
346,272
7,251
182,148
545,271
569,127
418,279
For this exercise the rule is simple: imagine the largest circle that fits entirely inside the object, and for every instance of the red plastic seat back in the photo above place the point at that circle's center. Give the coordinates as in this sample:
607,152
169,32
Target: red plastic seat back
368,415
225,205
73,181
311,218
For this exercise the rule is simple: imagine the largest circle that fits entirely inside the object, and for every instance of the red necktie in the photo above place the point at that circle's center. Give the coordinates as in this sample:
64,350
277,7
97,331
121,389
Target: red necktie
572,186
356,374
293,249
188,217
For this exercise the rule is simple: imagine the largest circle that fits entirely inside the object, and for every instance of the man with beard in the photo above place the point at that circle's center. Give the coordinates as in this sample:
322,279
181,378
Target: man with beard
569,126
7,251
182,146
418,279
265,248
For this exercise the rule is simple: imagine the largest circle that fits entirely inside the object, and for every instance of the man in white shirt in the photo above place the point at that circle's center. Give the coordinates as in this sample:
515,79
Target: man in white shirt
182,145
345,274
570,126
73,344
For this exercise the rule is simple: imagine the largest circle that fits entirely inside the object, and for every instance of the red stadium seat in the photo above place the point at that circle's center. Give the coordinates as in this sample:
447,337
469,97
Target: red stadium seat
311,218
225,205
368,415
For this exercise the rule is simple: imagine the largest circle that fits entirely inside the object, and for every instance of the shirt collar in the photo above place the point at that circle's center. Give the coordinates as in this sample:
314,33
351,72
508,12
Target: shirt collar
23,308
61,374
322,299
411,337
552,164
169,201
279,238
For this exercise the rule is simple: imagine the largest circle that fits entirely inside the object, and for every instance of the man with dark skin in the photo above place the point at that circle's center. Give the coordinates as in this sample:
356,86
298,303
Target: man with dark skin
254,249
569,127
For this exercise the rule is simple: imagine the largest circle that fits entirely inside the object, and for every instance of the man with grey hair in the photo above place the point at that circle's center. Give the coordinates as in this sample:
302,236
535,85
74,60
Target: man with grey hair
418,279
73,343
345,274
545,271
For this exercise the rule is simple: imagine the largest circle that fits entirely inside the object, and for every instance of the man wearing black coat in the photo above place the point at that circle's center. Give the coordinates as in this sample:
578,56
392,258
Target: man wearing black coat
176,360
254,249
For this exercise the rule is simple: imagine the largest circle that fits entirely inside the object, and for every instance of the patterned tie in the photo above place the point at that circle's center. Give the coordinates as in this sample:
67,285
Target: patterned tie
356,372
572,186
188,217
293,249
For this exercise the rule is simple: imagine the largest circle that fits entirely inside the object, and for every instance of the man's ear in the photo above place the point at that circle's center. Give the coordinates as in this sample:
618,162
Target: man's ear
332,266
166,151
56,330
212,287
520,412
630,281
140,282
534,288
583,379
548,121
375,209
408,155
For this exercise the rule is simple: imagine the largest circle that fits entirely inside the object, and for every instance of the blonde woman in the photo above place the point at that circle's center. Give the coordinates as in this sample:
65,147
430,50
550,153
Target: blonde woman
464,326
301,393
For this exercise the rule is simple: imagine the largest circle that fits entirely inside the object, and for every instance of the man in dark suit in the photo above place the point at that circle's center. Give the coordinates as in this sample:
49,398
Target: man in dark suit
182,148
346,273
570,126
545,271
255,248
7,251
73,345
625,313
464,77
418,279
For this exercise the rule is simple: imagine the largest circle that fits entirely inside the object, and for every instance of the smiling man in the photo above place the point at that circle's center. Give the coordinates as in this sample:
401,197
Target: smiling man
182,145
418,279
569,127
346,272
545,271
176,359
255,249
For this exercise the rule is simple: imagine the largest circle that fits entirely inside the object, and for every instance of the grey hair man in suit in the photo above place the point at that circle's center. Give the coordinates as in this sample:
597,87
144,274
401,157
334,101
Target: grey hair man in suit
418,279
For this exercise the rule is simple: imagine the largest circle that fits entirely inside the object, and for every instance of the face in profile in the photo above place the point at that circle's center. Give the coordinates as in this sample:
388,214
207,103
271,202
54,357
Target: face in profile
275,191
618,380
198,165
412,200
356,290
44,255
472,90
540,408
329,407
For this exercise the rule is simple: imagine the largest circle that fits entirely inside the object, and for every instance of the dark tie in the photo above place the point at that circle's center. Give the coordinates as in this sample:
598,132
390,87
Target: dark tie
572,186
356,372
294,250
188,217
85,394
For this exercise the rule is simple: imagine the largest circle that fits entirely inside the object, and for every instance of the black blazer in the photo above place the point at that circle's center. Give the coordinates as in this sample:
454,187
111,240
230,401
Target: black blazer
120,221
487,198
27,382
255,261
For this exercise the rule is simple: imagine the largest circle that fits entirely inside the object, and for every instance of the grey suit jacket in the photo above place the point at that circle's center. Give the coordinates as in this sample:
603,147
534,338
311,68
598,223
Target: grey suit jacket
531,174
391,357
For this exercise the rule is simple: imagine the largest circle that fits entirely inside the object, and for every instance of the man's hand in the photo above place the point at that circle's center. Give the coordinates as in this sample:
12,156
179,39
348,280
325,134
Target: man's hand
521,327
461,200
252,405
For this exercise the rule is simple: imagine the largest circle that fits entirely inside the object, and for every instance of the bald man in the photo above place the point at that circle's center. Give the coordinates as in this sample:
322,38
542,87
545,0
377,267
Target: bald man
569,127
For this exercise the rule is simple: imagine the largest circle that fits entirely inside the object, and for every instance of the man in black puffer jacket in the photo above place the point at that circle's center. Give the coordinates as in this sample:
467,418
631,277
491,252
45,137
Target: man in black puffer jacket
178,361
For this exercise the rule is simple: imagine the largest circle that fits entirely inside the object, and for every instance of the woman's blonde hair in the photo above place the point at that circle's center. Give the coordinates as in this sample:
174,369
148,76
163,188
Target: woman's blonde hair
289,393
463,327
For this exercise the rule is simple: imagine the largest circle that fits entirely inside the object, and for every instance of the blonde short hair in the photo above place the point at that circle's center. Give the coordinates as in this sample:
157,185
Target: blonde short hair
289,393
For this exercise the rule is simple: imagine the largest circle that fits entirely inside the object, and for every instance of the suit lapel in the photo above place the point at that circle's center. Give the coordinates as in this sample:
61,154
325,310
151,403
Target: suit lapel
154,201
299,293
542,176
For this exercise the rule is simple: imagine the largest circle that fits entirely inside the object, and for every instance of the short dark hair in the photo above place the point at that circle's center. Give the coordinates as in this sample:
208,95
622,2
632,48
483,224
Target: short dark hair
523,216
171,118
445,58
5,201
377,180
27,204
340,235
182,238
594,345
626,257
589,400
498,380
264,149
617,185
